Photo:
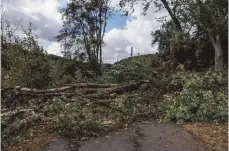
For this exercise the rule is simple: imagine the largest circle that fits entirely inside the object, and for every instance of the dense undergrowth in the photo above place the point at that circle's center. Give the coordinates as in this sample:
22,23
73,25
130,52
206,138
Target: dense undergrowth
169,96
203,98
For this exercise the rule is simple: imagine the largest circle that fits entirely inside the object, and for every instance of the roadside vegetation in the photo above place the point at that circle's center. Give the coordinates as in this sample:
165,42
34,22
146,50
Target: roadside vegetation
77,96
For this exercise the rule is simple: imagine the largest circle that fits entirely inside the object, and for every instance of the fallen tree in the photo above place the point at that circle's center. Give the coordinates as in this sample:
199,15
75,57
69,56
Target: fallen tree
29,116
126,88
110,92
65,88
109,88
24,123
12,113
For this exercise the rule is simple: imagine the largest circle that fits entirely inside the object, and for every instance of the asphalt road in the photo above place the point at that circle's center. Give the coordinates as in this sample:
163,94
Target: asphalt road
141,136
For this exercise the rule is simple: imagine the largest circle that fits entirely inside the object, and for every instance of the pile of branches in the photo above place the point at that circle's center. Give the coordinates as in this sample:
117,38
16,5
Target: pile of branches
21,116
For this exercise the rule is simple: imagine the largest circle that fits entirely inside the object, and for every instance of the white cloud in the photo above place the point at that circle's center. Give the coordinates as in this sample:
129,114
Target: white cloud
43,7
47,21
136,34
54,48
44,15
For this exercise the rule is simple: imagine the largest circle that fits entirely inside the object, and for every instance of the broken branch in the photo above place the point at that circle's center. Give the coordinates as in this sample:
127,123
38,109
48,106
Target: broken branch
12,113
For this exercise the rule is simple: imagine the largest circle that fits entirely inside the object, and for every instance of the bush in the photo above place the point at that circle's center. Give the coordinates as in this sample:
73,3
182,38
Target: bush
197,105
202,98
27,69
24,62
119,73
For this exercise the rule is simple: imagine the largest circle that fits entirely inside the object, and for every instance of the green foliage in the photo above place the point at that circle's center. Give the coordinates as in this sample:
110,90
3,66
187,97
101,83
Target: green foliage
33,72
58,74
202,98
173,96
131,69
86,34
25,64
195,42
197,105
123,74
75,122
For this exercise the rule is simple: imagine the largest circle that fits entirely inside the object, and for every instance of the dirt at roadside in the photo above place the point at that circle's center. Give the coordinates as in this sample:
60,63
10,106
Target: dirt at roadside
215,136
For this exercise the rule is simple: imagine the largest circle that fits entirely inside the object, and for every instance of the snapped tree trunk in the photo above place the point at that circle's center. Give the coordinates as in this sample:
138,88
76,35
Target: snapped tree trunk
216,42
211,26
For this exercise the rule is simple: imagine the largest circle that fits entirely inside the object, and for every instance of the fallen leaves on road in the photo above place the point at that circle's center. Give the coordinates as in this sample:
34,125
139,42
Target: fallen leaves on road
215,136
41,137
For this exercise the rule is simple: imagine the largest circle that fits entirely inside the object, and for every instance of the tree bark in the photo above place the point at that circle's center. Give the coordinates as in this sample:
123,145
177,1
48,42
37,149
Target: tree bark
69,86
173,16
211,25
12,113
117,90
218,51
111,88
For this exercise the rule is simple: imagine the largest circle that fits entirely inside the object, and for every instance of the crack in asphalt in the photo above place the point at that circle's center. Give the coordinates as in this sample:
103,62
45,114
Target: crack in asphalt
137,145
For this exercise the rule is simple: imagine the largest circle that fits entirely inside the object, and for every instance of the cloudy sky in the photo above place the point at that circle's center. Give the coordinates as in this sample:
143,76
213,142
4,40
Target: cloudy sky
122,33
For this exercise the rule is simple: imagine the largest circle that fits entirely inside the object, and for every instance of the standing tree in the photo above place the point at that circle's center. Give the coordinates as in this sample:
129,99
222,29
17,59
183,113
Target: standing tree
213,17
176,41
84,28
189,19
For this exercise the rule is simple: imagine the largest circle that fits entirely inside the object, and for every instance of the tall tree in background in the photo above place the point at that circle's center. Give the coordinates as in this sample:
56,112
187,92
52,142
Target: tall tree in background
84,28
176,41
213,17
171,6
190,22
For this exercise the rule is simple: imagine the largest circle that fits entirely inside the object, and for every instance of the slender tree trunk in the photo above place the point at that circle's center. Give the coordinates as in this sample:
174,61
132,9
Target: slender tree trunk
218,56
173,16
100,36
178,36
1,35
2,26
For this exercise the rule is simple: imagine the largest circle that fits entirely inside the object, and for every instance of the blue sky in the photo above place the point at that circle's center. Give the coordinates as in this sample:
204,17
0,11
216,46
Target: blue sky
116,21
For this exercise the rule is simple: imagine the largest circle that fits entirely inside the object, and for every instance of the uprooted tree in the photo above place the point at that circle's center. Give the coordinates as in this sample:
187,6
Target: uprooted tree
106,90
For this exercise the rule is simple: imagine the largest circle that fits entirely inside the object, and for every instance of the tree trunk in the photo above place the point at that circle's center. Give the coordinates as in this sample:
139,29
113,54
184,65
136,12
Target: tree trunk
218,51
179,53
173,16
218,55
2,26
210,25
100,36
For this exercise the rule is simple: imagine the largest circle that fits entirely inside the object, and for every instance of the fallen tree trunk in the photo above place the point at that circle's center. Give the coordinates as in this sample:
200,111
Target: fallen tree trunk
111,88
92,85
65,88
24,123
117,90
12,113
46,94
126,88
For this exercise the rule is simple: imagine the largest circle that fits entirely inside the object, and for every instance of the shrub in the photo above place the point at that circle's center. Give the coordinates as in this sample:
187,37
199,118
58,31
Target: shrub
119,73
24,62
202,98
